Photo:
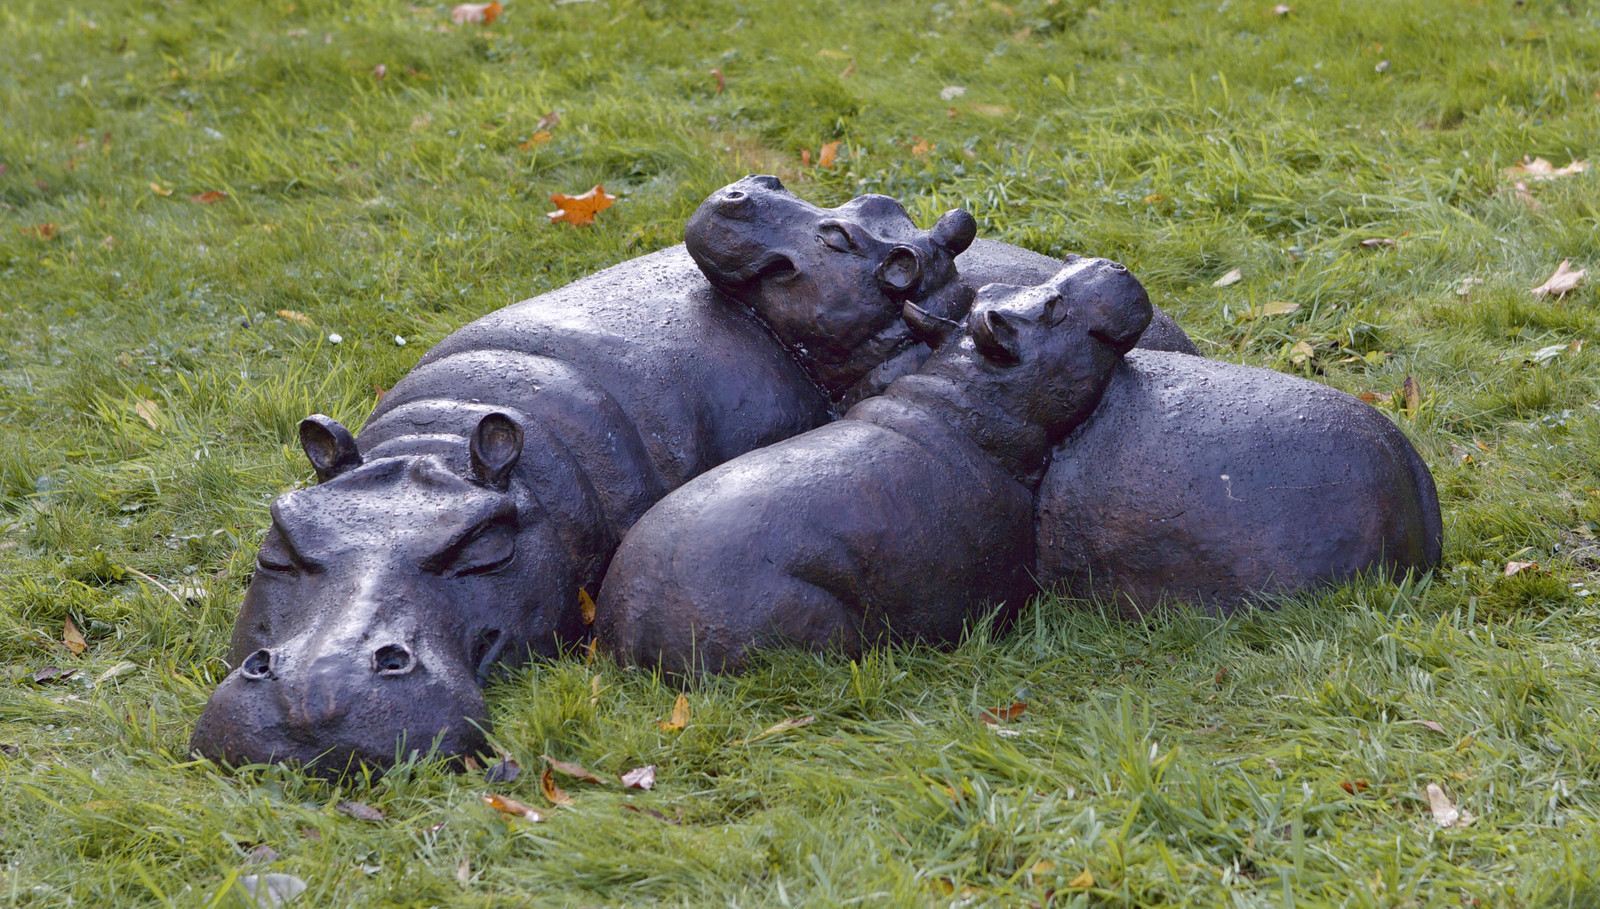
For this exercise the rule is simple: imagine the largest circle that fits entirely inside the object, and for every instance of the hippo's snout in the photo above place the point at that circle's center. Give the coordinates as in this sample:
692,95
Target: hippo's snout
1116,305
331,711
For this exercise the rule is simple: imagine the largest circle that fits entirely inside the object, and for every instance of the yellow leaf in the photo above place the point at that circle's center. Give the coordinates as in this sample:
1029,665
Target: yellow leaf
1515,568
1234,276
680,715
582,208
537,139
1444,813
586,604
146,409
156,188
1301,353
1044,867
73,638
779,728
290,315
1275,308
552,792
1411,392
1083,881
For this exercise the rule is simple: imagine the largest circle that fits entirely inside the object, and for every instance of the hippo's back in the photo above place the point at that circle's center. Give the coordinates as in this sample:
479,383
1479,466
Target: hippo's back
1208,482
642,356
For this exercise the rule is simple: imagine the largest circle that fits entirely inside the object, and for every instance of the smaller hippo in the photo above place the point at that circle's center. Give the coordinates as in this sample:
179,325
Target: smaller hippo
896,521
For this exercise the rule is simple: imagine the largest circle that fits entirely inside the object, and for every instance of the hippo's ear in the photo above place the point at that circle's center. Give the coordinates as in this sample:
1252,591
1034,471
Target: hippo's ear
954,231
996,338
901,271
496,446
927,327
329,446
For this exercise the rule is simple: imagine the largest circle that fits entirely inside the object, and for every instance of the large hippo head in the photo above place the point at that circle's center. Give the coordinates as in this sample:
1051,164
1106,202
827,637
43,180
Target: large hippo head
381,598
829,282
1044,354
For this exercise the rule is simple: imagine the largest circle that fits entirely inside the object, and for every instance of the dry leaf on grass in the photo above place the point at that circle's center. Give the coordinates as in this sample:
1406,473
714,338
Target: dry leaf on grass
1083,881
73,638
722,84
1564,280
778,728
215,195
921,147
1282,9
1515,568
655,814
1445,813
1430,725
586,606
1275,308
51,674
828,154
552,793
147,411
680,716
360,811
1411,394
1003,714
1377,243
506,771
1519,191
534,141
1234,276
289,315
1540,169
1357,786
159,190
268,891
580,209
476,12
573,770
640,777
512,807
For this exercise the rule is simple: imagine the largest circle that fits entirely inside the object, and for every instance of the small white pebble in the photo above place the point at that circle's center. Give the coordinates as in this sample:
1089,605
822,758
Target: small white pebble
335,339
399,341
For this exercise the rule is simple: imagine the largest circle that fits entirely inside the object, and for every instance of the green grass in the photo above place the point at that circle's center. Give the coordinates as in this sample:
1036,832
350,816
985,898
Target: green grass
1183,761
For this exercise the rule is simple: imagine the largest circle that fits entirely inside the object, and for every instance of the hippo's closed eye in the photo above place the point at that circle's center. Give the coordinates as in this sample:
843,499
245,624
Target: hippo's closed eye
482,549
835,235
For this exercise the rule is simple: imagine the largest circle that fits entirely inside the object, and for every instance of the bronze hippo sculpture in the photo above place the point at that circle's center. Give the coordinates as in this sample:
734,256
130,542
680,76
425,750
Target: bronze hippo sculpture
1215,484
484,498
894,522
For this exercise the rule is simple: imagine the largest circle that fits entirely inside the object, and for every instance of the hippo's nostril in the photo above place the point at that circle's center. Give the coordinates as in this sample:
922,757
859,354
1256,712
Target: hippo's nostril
734,195
1118,266
257,665
393,659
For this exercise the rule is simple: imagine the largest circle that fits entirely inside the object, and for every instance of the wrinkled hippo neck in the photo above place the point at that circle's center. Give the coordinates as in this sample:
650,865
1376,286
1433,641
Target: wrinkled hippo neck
1018,447
901,353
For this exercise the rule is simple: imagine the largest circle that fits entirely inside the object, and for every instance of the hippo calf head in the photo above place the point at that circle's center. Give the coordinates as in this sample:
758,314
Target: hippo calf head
828,281
380,599
1043,354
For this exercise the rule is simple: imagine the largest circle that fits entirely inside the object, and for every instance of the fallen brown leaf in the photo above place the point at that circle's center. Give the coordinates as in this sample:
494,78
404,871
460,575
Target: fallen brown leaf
1540,169
680,716
1515,568
1275,308
1233,276
51,674
1429,725
552,793
158,190
1003,714
573,770
921,147
380,72
360,811
1083,881
537,139
289,315
508,805
580,209
1564,279
476,12
828,154
1411,394
1353,788
1519,191
464,871
73,638
506,771
722,83
215,195
640,777
655,814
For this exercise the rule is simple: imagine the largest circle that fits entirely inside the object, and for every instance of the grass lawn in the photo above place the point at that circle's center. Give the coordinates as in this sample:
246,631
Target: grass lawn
157,350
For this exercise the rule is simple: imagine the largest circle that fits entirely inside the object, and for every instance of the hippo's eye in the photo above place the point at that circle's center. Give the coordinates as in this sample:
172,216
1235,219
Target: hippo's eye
836,237
485,551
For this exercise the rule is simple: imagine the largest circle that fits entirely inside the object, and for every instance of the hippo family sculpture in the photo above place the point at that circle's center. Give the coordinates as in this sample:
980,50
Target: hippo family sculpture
896,521
488,490
1214,484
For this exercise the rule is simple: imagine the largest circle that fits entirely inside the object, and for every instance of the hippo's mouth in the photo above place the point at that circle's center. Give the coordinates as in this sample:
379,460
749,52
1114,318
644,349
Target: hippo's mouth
776,267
